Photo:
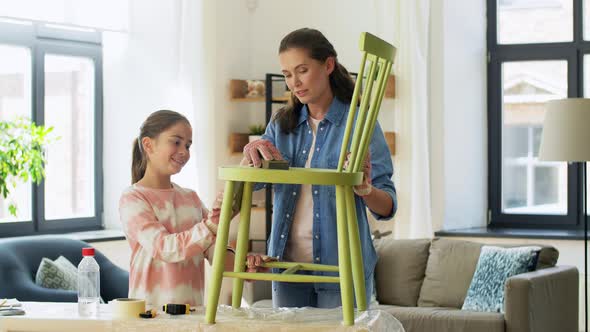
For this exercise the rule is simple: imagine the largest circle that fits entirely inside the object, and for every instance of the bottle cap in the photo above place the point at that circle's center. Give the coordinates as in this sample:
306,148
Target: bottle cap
87,252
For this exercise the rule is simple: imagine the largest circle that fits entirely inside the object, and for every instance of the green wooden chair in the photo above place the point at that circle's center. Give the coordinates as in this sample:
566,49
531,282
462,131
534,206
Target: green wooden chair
377,55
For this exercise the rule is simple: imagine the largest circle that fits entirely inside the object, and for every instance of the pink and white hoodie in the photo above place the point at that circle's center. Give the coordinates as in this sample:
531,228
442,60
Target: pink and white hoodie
169,240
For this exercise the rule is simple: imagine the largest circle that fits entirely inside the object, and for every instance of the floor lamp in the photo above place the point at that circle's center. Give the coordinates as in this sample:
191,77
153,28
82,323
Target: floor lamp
566,137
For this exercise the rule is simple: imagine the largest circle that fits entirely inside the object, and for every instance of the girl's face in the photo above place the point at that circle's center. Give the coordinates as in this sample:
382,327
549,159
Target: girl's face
307,78
169,151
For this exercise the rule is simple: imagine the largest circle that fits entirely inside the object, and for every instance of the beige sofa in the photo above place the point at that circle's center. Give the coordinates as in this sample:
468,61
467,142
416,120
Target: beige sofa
423,283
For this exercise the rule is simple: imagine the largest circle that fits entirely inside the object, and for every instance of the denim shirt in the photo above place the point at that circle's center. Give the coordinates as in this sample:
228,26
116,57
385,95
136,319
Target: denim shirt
294,148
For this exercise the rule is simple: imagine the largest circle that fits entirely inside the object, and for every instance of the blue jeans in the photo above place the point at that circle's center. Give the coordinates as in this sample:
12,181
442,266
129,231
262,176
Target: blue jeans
292,294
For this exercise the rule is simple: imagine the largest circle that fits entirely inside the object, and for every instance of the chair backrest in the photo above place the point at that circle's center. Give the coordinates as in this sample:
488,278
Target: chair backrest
379,55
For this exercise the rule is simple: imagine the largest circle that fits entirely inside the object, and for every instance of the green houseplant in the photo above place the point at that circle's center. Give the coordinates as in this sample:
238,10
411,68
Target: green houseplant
256,131
22,145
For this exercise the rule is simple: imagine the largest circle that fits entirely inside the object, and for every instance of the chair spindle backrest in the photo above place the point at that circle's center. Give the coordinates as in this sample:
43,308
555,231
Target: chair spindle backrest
379,55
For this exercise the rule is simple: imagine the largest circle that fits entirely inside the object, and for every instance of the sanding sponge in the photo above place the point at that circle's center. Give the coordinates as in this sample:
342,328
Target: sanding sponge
275,164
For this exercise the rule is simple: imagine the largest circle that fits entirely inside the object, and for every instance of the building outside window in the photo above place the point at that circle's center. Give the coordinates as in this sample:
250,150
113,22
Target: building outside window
536,53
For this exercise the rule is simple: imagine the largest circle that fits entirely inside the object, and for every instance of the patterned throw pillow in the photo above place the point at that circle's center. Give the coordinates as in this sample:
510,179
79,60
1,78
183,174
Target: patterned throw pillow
58,274
494,267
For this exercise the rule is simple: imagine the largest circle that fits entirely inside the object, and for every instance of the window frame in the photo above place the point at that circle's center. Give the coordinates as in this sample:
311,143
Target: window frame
43,39
573,53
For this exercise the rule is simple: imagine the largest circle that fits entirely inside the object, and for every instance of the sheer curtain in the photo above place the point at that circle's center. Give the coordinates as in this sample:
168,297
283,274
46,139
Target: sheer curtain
195,68
410,34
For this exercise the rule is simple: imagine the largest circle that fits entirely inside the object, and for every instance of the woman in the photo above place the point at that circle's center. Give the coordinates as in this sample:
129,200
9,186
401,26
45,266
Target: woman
308,133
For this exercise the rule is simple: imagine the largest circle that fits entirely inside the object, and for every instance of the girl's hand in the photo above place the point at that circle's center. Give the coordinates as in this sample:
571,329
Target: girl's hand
257,148
364,188
212,221
255,261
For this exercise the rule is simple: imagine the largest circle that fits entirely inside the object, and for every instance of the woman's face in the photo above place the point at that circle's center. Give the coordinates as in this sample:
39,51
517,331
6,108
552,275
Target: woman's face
307,78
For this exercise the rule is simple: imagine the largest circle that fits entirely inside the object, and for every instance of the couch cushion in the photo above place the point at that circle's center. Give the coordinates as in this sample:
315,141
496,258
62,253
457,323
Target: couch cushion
547,256
56,275
494,267
400,270
450,268
436,319
449,271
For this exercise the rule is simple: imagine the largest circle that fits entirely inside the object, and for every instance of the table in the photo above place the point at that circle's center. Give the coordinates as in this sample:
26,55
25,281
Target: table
53,317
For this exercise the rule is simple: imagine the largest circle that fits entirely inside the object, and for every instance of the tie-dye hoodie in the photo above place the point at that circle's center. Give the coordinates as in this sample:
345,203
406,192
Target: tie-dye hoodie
169,240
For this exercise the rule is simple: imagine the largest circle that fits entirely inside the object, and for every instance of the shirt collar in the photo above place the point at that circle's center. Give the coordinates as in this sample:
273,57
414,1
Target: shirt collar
335,114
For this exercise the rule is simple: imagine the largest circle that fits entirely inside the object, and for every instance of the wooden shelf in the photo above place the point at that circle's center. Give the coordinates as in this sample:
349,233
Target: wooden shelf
253,99
260,99
390,87
237,141
390,140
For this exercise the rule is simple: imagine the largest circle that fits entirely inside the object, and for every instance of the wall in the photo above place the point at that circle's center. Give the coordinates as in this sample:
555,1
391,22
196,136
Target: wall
458,113
342,30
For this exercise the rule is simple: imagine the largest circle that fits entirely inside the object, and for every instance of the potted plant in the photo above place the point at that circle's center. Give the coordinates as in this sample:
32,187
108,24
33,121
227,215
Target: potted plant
256,132
22,146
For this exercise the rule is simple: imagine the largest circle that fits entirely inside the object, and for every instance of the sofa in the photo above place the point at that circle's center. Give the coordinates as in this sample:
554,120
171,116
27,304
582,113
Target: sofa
20,259
424,282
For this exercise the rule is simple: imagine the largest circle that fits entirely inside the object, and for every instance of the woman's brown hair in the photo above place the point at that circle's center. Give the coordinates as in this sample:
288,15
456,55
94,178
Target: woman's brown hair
320,49
153,126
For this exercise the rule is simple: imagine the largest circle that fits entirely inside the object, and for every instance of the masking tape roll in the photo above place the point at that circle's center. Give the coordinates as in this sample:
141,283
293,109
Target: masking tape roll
127,308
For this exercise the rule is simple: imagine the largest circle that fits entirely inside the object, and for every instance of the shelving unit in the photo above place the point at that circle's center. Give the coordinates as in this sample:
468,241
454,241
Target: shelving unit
269,101
237,94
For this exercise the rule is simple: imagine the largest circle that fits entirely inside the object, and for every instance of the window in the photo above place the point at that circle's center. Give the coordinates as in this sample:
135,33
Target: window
536,53
53,75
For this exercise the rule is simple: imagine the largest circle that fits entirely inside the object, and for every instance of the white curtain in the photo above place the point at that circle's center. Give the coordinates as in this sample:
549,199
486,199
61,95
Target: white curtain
195,69
410,34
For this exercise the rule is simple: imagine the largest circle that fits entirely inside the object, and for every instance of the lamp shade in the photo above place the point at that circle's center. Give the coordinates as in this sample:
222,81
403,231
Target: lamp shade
566,131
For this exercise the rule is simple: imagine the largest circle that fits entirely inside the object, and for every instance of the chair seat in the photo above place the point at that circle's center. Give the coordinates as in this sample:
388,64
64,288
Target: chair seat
294,175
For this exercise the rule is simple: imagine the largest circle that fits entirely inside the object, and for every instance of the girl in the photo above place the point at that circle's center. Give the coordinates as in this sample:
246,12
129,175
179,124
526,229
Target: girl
308,132
168,227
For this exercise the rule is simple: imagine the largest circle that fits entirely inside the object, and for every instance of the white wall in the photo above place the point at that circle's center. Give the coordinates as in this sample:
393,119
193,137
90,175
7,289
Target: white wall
342,30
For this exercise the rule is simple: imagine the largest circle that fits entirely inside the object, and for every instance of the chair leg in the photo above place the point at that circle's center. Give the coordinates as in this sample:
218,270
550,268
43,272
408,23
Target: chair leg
242,245
219,254
358,270
343,258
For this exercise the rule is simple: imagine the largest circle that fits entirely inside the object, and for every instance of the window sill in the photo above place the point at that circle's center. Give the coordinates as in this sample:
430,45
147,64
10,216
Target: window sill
513,233
88,236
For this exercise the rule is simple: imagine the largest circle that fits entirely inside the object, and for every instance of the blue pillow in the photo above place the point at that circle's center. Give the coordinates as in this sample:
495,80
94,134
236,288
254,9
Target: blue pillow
494,267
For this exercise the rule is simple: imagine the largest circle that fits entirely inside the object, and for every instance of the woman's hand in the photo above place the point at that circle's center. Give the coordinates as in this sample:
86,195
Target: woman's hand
364,188
257,148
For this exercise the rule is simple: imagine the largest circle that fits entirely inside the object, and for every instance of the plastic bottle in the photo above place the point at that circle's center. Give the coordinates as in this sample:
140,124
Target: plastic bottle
88,284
